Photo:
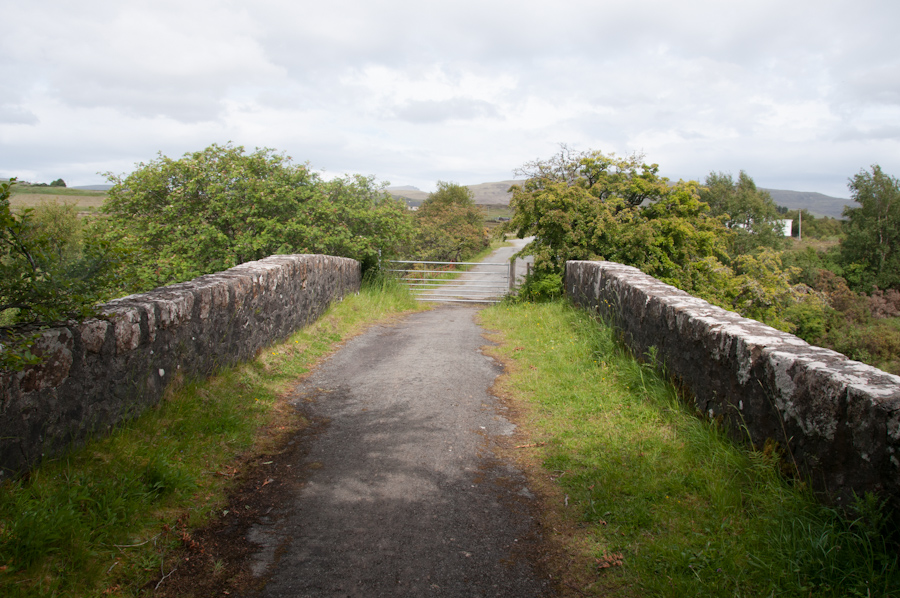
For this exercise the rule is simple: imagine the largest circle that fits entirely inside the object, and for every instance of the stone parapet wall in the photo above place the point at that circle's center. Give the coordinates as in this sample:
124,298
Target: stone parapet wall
100,372
838,419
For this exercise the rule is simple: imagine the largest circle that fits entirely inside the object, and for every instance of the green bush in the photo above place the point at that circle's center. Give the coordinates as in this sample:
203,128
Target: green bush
539,287
449,226
213,209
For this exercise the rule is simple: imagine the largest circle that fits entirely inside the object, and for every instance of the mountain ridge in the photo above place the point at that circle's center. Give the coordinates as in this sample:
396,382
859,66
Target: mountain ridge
497,193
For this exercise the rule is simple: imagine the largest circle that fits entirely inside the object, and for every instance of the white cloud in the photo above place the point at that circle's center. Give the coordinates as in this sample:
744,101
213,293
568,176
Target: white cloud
413,92
12,114
438,111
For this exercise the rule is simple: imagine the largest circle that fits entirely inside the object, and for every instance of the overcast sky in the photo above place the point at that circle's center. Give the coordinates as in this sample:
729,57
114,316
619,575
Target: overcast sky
800,94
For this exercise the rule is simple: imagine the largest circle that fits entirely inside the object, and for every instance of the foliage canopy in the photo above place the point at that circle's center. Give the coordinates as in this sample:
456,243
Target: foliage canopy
587,205
450,227
745,210
213,209
873,229
48,273
603,176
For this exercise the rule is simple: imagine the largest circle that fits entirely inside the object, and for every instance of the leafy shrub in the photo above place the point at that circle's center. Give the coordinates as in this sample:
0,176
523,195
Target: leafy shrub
764,291
539,287
853,307
449,226
876,343
213,209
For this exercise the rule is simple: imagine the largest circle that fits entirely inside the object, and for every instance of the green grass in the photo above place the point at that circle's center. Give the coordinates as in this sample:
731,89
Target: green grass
636,474
494,211
104,519
658,501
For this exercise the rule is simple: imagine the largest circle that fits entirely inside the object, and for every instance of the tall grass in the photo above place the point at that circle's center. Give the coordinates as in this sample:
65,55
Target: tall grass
104,519
661,502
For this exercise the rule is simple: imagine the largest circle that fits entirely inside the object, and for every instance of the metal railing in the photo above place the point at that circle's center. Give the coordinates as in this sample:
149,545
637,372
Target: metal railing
463,282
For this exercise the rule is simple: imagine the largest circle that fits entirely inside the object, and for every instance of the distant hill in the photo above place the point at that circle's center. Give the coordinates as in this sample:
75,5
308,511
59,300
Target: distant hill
485,193
93,187
493,193
411,195
497,194
815,203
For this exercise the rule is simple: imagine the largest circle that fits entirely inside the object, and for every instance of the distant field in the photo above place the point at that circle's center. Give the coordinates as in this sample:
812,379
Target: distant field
28,190
816,244
31,197
494,211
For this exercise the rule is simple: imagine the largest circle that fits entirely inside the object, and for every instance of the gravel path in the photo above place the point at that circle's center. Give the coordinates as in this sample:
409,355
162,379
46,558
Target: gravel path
401,493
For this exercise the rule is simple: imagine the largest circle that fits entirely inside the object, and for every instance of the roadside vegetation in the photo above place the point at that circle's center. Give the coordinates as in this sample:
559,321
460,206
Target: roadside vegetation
722,240
171,220
646,498
107,518
449,226
649,498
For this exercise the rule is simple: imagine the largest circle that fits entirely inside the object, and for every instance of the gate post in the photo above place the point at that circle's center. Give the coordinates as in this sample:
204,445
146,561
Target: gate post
512,275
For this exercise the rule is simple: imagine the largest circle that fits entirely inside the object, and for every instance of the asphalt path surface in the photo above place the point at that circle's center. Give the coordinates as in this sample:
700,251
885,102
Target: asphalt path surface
402,493
504,254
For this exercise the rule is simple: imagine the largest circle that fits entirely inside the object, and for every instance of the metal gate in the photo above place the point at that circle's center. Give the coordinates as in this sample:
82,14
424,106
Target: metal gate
464,282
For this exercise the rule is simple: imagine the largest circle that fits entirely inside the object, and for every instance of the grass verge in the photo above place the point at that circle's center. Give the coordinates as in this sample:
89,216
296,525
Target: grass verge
104,519
646,499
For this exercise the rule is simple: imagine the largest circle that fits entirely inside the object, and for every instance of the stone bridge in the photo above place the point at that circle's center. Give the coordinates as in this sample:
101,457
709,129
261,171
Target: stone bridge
838,420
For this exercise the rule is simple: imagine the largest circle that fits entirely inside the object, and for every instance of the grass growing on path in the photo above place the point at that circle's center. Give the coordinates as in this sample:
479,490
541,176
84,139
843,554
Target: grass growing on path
104,519
653,501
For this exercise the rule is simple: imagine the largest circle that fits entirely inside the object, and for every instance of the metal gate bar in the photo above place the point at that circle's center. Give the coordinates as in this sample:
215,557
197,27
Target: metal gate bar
457,285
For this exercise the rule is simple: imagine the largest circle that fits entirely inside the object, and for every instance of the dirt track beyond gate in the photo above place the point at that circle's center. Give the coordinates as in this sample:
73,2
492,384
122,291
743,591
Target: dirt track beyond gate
398,491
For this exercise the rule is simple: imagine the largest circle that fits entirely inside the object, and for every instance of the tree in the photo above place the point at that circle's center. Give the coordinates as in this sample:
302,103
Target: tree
744,209
581,205
604,176
585,207
872,243
450,227
213,209
359,219
58,183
